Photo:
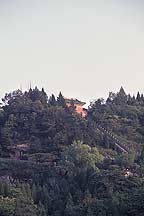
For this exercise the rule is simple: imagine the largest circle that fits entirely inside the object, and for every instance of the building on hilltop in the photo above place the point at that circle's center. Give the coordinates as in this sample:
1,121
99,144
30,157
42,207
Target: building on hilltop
77,104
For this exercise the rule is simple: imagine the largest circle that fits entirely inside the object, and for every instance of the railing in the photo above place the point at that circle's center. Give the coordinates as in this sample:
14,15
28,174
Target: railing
117,142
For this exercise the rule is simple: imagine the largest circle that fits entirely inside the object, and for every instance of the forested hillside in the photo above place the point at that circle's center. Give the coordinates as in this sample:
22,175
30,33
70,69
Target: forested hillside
54,162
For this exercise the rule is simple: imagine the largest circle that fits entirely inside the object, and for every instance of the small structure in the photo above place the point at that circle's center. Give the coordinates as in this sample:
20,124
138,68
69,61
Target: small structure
77,104
20,150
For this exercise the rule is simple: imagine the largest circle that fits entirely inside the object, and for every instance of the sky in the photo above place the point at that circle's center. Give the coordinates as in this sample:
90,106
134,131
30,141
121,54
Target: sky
83,48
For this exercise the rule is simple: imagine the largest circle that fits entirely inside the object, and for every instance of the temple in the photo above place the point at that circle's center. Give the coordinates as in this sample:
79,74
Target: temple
77,104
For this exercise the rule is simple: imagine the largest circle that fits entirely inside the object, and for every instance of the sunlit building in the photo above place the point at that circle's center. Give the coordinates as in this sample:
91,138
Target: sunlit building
77,104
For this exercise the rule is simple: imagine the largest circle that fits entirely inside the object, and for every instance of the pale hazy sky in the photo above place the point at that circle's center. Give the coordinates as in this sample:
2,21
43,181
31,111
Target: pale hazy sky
84,48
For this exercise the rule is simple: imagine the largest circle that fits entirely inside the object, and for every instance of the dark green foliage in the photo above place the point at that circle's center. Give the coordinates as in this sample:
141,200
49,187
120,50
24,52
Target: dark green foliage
41,210
16,200
53,162
61,100
52,101
122,115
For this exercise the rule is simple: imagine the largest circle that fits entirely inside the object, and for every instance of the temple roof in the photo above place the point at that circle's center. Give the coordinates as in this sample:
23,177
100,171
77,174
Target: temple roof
75,101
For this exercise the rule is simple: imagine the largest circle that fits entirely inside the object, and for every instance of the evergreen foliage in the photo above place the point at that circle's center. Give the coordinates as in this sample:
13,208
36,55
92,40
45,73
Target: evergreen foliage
53,162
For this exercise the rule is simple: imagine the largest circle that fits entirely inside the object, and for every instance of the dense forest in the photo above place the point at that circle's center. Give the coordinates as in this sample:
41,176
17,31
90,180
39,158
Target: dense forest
54,162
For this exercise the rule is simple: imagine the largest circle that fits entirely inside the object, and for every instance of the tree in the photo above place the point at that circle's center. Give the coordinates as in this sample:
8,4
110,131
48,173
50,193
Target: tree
7,206
81,156
121,97
11,96
69,209
24,203
52,101
36,95
111,97
25,207
138,98
41,210
61,100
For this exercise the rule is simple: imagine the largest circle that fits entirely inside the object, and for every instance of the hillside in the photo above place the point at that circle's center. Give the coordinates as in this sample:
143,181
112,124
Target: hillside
123,116
54,162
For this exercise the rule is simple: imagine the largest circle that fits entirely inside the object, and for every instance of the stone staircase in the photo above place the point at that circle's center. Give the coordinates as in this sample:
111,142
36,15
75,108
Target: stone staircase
117,142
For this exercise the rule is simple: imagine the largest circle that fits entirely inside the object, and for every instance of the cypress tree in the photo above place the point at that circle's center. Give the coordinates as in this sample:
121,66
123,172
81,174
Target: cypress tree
44,97
138,98
61,100
121,97
34,192
129,100
52,101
